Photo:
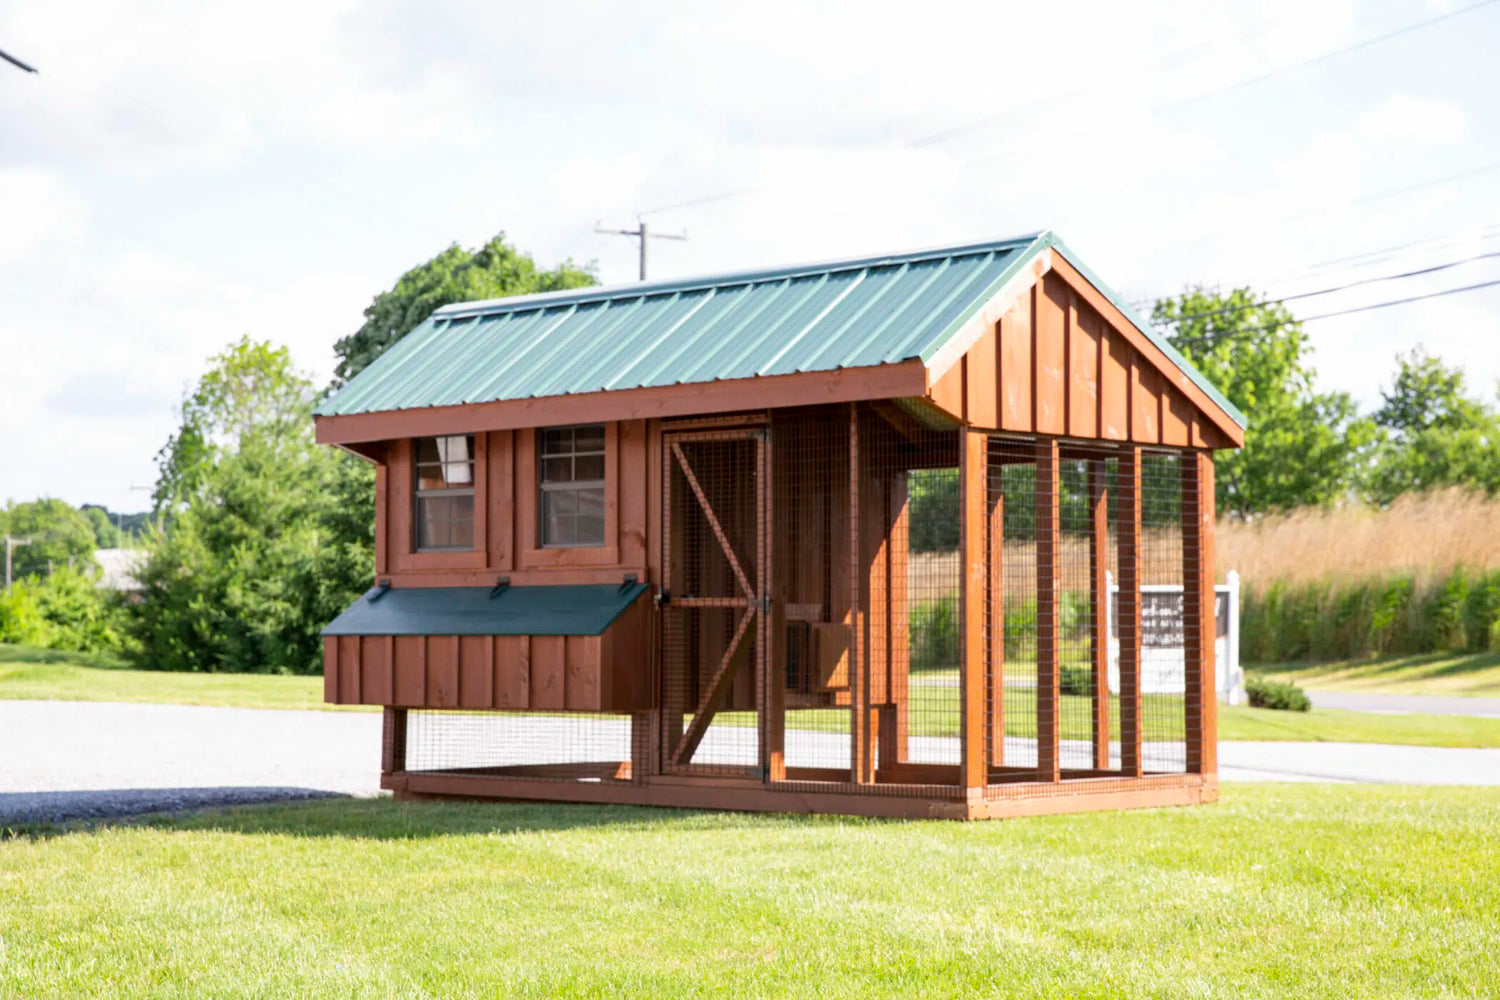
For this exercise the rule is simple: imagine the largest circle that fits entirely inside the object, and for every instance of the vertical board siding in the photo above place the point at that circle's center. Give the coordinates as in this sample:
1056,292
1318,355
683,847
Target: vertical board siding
1050,347
1084,335
1114,388
1145,403
349,669
1176,415
442,671
411,670
983,367
502,480
374,669
633,473
548,672
1016,366
331,670
581,685
476,673
512,671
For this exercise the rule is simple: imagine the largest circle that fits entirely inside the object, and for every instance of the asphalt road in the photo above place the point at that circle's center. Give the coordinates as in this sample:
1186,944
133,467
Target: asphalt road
69,760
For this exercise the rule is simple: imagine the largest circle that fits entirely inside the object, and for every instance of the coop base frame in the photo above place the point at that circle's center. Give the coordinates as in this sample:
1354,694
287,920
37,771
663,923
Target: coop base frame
996,801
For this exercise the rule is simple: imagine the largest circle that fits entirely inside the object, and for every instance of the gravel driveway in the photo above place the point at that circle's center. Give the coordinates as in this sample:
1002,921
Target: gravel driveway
72,760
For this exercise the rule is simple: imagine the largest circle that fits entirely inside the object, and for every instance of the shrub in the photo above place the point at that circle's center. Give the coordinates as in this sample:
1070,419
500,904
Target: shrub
1076,680
1280,695
934,634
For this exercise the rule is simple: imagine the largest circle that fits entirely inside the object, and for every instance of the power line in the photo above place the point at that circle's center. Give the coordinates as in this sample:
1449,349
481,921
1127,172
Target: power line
1210,338
1338,288
1331,54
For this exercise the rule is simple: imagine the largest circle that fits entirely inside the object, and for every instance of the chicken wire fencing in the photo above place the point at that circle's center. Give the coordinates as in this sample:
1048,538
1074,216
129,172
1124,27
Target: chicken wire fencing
811,616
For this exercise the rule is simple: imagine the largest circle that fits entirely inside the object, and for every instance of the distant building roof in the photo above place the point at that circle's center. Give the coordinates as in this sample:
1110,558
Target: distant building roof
746,324
119,568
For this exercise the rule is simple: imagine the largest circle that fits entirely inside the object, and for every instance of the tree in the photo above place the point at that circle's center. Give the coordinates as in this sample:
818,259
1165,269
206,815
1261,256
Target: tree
59,534
1433,432
495,270
266,537
1302,446
106,535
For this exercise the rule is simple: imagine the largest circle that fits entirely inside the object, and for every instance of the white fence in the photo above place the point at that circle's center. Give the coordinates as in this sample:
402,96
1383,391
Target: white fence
1163,660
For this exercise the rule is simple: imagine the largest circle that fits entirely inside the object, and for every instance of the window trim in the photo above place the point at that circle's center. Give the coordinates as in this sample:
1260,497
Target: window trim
572,485
418,494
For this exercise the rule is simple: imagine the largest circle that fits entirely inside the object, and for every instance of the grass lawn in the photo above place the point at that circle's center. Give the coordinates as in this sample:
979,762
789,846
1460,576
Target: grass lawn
1433,673
54,675
1277,891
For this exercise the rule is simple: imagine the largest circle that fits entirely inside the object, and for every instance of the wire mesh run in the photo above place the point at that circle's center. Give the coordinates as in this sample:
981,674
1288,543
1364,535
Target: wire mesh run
545,745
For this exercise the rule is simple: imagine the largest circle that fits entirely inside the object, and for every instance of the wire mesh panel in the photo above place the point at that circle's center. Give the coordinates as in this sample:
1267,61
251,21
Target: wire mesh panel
1161,561
714,533
1011,612
554,745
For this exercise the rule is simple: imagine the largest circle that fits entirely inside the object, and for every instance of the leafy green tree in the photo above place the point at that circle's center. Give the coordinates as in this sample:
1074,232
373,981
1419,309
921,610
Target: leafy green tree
495,270
106,535
59,534
1302,446
267,535
1433,433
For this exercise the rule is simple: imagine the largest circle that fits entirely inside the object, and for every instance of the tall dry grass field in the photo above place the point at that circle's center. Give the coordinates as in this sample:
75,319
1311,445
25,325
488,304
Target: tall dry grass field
1426,535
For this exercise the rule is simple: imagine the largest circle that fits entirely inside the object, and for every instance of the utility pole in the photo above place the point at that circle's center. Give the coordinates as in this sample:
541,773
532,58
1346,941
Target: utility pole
10,546
641,235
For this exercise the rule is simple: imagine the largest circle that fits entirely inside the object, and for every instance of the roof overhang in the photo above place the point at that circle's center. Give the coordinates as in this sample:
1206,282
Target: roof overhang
892,381
578,609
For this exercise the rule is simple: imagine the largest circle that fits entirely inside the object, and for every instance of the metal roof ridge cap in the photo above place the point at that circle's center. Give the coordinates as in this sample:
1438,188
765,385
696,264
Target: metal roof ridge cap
1152,334
465,310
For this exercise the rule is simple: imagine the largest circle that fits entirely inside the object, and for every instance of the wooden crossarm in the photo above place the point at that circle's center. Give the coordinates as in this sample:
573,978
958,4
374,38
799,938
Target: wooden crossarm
713,694
713,521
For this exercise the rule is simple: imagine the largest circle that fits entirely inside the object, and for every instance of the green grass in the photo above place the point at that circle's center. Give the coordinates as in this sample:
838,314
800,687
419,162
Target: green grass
1433,673
53,675
1277,891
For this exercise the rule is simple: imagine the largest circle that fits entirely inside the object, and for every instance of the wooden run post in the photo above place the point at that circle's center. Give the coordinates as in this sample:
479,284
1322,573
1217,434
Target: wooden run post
771,658
1198,612
973,538
1099,610
393,740
1048,624
994,733
1128,610
862,745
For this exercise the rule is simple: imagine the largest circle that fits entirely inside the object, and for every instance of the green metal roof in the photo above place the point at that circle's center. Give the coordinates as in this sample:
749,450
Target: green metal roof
815,317
575,609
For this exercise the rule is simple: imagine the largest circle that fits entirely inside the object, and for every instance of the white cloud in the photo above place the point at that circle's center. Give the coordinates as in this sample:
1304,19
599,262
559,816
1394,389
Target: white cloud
38,209
1412,119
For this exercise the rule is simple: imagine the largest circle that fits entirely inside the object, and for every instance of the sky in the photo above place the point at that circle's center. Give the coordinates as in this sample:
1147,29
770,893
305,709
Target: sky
181,174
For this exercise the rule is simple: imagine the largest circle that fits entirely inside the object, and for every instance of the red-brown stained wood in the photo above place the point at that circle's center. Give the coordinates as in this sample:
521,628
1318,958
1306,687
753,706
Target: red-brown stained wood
981,383
382,518
548,673
859,660
375,678
1084,335
1099,611
581,690
1048,618
1050,347
349,688
994,735
1128,609
1016,370
633,469
411,670
476,671
1175,416
442,671
973,540
502,500
393,740
331,670
512,671
1114,388
948,391
1200,696
1145,403
894,725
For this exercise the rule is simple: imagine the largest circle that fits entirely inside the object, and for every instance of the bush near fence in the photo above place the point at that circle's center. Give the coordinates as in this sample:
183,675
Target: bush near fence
1399,614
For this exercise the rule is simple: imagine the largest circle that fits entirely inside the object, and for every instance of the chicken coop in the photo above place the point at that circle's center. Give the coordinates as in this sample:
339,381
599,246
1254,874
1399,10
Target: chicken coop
840,537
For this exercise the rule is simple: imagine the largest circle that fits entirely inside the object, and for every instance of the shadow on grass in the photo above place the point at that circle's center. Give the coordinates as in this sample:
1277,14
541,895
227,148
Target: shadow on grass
1453,664
386,819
